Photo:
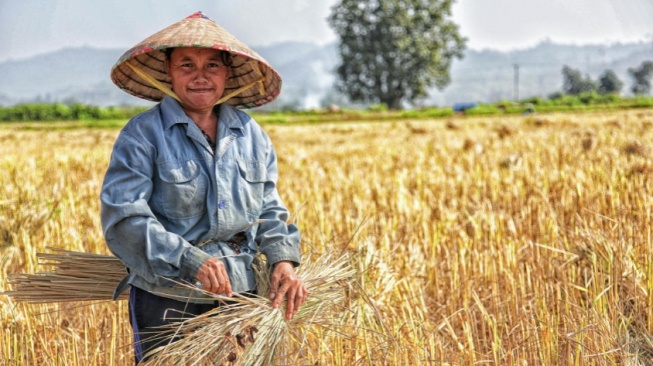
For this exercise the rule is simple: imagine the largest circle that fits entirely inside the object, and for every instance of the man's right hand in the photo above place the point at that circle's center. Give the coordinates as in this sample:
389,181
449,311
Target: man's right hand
213,277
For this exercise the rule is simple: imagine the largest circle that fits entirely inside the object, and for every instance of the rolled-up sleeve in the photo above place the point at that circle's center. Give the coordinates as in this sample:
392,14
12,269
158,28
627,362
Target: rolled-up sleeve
131,229
277,239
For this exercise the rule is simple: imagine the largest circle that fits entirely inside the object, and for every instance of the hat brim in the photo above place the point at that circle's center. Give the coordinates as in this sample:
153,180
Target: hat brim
197,31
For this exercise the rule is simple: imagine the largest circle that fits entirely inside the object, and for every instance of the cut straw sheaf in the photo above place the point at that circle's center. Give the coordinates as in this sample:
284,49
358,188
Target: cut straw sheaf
75,276
246,330
249,331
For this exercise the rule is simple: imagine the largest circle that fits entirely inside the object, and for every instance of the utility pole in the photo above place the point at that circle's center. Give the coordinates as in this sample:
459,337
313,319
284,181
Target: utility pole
516,80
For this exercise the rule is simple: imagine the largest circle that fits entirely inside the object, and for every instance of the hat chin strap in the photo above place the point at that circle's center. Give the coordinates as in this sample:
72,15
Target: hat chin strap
167,91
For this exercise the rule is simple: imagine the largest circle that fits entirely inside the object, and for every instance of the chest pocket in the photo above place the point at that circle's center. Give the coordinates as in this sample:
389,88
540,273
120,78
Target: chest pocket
252,188
182,189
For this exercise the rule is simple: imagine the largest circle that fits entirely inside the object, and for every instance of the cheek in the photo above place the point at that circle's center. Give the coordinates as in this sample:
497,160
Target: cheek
220,80
174,84
178,81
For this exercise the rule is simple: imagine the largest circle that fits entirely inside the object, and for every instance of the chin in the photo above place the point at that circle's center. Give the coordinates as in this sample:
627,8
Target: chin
201,104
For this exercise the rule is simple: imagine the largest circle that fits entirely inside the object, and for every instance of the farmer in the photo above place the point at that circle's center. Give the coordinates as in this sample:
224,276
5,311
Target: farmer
190,192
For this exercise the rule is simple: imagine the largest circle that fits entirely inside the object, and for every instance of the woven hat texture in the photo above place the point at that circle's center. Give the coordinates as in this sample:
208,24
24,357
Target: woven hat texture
197,30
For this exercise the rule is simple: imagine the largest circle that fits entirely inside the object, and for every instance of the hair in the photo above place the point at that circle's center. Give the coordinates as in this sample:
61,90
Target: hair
226,56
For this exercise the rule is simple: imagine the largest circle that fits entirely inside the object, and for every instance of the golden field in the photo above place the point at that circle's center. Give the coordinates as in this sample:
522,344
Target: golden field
522,240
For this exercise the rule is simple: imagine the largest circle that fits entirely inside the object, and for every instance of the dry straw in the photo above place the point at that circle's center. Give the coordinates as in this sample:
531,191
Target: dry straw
246,330
76,276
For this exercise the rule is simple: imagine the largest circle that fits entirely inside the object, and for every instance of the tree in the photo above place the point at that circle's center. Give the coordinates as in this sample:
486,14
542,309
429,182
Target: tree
641,78
574,83
609,83
393,50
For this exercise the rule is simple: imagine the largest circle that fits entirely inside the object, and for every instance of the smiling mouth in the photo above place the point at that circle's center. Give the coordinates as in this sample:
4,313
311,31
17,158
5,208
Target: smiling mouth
201,90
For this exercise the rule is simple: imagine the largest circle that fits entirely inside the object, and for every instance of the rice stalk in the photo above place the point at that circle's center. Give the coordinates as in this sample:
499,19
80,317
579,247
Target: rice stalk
75,276
246,330
249,331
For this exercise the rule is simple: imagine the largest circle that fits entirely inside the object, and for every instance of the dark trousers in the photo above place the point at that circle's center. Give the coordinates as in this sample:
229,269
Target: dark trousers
148,311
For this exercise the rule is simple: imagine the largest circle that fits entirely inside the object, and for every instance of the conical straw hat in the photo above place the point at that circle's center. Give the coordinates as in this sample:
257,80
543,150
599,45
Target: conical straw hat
141,70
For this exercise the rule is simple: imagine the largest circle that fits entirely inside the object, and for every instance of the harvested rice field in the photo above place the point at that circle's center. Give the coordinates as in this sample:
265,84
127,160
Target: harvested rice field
521,240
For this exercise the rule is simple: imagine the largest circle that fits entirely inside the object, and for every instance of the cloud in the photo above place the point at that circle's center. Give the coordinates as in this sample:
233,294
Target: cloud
510,24
29,27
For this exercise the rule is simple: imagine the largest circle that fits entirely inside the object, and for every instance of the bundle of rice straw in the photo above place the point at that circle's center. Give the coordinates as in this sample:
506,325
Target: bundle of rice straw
245,331
248,331
77,276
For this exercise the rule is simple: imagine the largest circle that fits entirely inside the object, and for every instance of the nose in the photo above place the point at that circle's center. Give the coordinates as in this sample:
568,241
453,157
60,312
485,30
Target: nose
201,77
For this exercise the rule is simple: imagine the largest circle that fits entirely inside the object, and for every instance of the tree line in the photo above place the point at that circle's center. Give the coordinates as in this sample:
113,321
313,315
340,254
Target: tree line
65,112
574,83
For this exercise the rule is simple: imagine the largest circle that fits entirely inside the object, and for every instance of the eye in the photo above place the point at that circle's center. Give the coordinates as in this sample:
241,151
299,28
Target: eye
215,65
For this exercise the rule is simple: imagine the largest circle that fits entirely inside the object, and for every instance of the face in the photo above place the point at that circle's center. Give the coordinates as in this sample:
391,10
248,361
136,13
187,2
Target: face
198,77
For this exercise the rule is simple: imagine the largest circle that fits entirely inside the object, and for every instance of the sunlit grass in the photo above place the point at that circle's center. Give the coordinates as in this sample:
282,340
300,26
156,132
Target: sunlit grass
499,240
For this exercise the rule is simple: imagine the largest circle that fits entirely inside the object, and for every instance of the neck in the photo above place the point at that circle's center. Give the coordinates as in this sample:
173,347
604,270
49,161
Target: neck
202,118
206,120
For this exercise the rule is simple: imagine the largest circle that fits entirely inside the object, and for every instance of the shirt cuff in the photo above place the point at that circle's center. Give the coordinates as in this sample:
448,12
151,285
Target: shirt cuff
281,252
192,261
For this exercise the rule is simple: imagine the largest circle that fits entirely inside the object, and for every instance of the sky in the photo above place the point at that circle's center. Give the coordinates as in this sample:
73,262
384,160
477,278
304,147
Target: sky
30,27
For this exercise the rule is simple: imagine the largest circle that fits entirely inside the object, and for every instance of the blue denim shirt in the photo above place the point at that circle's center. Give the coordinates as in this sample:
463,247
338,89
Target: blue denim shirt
169,202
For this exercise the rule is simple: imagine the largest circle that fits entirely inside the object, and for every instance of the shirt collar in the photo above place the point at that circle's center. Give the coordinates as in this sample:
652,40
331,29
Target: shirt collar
230,118
173,114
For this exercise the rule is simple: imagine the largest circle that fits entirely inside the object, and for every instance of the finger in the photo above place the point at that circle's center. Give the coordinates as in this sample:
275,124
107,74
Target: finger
217,288
299,298
217,279
218,276
201,277
227,283
280,294
274,286
290,303
206,283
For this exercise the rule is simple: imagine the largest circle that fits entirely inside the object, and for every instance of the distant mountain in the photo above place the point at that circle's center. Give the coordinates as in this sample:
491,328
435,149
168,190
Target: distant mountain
308,72
489,76
81,74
